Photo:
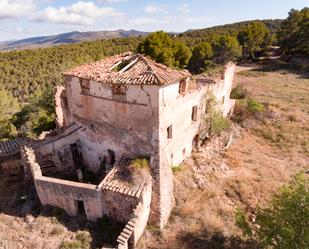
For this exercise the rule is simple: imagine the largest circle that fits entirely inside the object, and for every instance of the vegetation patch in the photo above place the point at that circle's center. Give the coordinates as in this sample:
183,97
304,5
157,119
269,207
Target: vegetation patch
140,163
239,92
285,223
246,108
218,123
177,168
84,238
67,244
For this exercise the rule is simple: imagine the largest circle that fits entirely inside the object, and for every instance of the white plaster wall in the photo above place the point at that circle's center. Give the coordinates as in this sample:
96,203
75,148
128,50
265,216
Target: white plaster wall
176,110
223,88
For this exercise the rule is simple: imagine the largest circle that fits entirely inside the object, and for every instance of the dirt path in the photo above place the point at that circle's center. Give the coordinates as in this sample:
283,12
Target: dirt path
245,67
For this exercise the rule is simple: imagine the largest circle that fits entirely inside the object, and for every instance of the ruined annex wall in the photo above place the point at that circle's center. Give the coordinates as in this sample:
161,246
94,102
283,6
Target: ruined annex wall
66,194
222,90
136,225
107,198
118,205
58,148
122,124
119,200
61,107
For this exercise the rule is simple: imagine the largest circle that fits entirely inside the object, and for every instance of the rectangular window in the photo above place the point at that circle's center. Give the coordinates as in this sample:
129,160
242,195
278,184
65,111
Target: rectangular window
182,86
84,86
170,132
194,113
223,97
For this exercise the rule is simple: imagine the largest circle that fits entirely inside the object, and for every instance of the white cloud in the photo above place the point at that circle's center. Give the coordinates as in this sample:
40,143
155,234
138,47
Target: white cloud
10,9
80,13
152,9
184,8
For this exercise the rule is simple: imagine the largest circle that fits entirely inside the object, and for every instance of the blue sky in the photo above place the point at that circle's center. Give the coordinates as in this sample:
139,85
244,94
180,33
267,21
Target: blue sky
27,18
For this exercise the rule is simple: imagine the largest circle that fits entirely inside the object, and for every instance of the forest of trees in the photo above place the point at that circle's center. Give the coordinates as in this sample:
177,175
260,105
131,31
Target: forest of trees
294,33
27,77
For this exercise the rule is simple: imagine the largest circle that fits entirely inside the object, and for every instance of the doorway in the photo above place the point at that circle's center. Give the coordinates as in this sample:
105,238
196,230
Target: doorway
195,142
77,157
81,208
111,157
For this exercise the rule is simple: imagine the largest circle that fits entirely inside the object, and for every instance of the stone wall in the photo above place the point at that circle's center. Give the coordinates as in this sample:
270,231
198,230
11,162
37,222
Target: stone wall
124,124
109,198
135,227
58,149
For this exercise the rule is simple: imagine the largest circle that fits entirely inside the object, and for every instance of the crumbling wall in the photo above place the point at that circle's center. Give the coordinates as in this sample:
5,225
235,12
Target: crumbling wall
58,147
109,198
135,227
123,124
60,121
119,200
222,90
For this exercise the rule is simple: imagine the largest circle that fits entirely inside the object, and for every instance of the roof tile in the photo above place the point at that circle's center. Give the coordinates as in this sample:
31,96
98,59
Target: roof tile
142,71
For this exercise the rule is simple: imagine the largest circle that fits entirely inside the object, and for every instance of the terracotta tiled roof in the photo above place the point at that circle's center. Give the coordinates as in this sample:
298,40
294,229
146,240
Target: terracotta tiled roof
128,68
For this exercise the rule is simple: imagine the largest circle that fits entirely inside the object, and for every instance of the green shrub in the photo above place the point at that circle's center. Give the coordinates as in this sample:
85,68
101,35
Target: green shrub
66,244
255,106
85,239
246,108
242,223
218,123
239,92
177,168
140,163
285,223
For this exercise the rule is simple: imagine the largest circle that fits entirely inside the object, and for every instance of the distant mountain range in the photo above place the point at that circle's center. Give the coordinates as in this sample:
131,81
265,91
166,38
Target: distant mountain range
68,38
74,37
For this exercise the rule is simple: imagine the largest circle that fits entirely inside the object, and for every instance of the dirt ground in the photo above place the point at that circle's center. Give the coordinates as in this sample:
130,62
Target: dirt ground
209,187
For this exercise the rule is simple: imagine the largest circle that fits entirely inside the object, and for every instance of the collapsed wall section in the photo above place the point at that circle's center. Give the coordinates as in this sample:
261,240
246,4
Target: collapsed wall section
110,198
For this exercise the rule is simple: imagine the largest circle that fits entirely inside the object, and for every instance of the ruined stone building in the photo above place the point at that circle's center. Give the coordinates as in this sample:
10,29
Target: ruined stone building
111,111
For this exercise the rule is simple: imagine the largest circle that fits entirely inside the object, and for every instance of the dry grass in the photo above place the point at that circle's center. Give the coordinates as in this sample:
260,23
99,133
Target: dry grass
264,158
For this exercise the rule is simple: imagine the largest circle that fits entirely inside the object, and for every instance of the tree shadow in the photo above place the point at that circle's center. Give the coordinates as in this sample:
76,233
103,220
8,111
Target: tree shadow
284,66
21,200
205,240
